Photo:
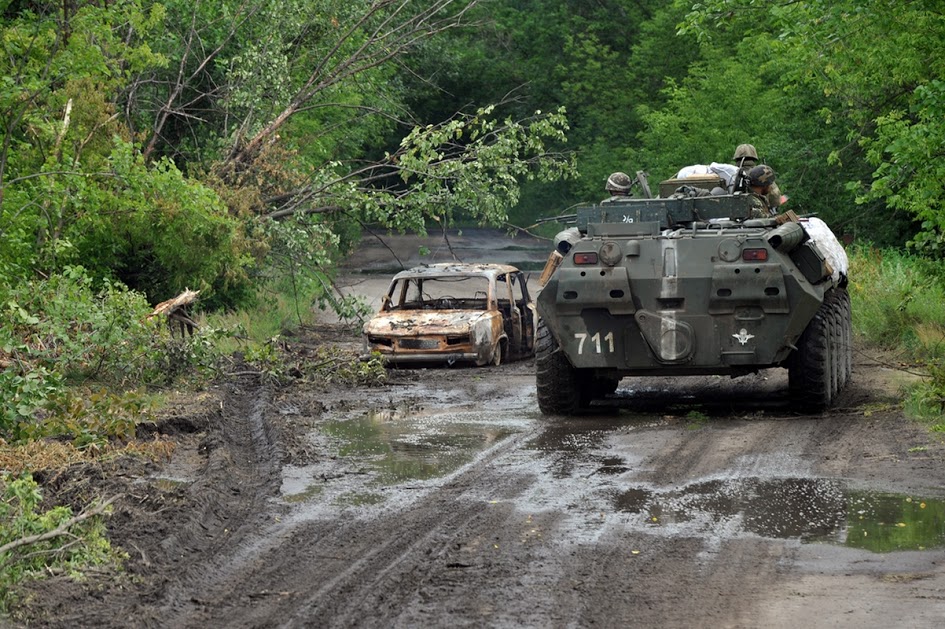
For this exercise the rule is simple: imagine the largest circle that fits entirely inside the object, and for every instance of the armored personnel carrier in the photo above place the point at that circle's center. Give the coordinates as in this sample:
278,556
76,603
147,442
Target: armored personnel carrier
690,284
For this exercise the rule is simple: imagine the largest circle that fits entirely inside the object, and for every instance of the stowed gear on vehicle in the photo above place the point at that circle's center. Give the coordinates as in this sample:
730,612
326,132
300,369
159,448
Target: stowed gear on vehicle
689,284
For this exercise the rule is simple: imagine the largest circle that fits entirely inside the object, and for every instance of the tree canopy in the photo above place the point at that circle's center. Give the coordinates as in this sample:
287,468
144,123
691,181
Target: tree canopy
171,145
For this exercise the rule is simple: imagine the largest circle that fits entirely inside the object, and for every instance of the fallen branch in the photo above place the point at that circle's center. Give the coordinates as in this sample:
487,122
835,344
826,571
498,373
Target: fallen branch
176,311
59,531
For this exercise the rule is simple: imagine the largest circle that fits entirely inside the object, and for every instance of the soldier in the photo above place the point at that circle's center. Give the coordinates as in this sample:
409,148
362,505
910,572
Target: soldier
618,185
760,181
746,157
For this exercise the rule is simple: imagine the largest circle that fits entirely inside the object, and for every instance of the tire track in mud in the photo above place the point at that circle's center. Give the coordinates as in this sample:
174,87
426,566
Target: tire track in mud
359,570
231,496
452,550
532,532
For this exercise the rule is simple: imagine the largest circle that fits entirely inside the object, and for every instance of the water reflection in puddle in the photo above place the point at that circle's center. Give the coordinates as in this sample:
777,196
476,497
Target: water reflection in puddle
808,509
394,445
403,445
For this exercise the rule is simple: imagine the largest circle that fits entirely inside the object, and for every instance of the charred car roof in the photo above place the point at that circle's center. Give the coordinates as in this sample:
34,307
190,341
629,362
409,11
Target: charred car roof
455,268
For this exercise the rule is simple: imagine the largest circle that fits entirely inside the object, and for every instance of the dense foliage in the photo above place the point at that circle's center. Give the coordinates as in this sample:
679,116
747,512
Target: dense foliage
155,143
151,146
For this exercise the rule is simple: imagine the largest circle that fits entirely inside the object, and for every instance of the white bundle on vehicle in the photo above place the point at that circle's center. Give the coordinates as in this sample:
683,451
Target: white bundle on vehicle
829,245
726,171
692,171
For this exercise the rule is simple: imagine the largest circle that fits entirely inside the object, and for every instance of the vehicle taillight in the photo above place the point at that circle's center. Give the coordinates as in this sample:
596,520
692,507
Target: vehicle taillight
585,257
754,255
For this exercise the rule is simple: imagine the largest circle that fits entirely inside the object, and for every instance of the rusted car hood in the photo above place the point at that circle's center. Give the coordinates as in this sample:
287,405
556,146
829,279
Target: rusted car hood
419,322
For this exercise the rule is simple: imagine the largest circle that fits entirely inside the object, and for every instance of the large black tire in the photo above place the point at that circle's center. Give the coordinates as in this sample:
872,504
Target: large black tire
836,345
811,370
822,364
847,349
843,345
558,382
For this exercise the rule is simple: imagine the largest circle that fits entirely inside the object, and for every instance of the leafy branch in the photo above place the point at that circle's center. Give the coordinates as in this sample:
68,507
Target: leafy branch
63,529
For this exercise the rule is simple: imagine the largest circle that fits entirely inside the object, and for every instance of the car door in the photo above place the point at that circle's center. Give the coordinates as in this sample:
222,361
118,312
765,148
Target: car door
528,317
512,320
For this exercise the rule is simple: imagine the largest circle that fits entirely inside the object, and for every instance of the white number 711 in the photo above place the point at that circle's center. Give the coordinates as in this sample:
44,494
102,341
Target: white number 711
596,339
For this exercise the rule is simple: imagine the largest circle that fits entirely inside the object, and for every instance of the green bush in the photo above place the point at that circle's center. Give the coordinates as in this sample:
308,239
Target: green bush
64,336
926,399
897,302
75,548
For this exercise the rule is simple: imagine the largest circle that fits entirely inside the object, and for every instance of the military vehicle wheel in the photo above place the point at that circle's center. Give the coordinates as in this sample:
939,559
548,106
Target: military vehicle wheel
847,348
836,345
811,369
845,341
843,338
558,383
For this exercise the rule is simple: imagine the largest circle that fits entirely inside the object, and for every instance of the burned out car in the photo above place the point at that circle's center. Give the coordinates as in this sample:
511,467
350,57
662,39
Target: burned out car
454,313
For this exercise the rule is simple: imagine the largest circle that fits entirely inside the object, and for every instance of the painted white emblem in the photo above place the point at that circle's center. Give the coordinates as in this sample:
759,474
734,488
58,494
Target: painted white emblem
743,336
627,219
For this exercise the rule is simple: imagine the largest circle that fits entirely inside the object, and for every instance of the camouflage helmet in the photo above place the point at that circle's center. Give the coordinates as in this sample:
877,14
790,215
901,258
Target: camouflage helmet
761,176
745,152
618,183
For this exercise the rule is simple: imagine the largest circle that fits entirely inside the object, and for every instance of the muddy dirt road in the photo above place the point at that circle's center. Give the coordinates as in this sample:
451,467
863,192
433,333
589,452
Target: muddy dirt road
444,499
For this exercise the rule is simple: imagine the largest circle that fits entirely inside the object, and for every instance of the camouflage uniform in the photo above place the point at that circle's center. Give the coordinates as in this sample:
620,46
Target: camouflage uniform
774,198
746,157
759,206
762,178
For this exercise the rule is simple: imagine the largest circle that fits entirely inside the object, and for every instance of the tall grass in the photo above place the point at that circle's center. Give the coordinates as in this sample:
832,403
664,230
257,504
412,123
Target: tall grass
899,304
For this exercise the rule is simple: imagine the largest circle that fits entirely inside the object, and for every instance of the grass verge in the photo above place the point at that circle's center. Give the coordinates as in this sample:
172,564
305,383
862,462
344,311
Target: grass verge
899,304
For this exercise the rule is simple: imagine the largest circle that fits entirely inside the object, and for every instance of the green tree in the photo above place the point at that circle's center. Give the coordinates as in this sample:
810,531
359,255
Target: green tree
157,155
878,68
71,189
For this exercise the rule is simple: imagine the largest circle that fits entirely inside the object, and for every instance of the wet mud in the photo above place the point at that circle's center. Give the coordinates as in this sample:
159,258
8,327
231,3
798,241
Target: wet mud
444,498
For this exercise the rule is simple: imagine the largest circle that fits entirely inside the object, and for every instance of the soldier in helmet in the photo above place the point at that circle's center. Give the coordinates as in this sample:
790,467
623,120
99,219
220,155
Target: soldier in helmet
760,181
618,185
746,158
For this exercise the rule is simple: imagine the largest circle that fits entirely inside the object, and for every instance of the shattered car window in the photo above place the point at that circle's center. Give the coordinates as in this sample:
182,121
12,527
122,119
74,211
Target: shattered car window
440,293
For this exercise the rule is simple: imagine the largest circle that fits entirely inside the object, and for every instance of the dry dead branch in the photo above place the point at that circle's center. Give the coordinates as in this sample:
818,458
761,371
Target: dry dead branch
176,311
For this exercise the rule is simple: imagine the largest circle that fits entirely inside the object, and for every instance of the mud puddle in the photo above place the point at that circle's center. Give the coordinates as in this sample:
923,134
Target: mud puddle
811,510
597,464
390,449
591,468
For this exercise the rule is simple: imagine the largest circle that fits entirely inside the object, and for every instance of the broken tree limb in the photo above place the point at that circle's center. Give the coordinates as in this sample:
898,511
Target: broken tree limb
61,530
176,311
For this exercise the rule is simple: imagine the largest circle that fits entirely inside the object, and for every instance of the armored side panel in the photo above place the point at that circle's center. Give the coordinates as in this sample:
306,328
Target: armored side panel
667,213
